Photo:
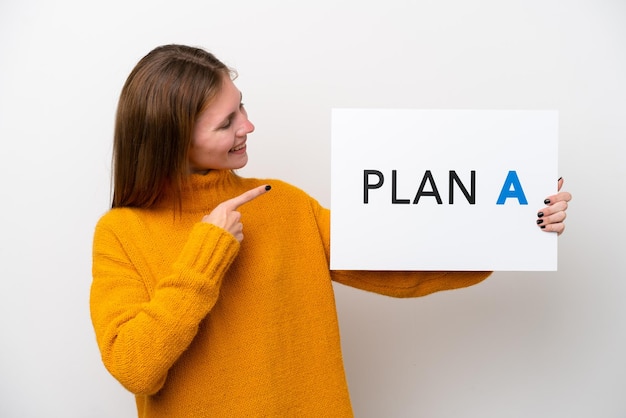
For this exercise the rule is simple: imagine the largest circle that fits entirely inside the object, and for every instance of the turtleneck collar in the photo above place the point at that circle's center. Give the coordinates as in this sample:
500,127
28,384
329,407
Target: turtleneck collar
204,191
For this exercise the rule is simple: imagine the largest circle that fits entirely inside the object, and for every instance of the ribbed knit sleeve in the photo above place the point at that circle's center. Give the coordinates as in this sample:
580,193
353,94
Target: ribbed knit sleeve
141,332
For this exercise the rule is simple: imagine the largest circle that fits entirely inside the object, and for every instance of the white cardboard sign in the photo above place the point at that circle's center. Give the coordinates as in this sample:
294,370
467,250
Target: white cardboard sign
442,189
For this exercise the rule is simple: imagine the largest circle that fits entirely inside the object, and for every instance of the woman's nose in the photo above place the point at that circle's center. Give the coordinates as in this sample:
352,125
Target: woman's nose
246,128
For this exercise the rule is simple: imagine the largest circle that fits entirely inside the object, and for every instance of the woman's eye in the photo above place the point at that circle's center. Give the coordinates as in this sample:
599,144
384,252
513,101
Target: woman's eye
229,122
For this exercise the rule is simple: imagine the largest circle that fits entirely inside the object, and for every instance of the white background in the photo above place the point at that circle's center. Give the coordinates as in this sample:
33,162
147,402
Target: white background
517,345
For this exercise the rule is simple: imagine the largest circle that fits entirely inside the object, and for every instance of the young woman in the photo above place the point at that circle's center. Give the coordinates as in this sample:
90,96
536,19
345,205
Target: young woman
193,314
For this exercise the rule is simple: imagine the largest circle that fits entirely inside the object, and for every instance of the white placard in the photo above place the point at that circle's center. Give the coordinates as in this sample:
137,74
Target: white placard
442,189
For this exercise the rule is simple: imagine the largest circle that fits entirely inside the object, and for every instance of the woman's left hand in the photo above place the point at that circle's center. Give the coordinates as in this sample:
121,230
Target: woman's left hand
552,217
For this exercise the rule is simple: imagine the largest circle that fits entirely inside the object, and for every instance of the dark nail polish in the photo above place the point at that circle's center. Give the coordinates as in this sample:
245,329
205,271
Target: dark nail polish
539,221
560,178
268,187
542,227
547,201
539,214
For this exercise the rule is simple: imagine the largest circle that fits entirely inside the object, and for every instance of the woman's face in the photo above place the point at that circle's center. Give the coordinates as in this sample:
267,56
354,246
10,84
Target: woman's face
219,137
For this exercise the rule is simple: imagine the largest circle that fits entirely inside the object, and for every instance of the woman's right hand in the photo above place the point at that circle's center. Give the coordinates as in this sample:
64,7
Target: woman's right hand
226,216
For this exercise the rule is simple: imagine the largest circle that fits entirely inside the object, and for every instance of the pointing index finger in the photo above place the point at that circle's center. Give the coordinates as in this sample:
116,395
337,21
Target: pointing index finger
246,197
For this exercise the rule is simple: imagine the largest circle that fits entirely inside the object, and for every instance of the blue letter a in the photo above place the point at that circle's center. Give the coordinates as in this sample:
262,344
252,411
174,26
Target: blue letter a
512,188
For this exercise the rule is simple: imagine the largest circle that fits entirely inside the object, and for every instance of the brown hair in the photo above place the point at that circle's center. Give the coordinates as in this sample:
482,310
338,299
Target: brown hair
156,115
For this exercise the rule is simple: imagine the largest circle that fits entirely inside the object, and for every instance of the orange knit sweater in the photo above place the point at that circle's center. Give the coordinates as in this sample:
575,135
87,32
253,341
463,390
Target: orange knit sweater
196,324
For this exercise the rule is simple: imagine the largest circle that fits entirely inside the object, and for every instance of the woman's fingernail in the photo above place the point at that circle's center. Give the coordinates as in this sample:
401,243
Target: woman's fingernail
560,178
539,221
539,214
268,187
542,227
547,201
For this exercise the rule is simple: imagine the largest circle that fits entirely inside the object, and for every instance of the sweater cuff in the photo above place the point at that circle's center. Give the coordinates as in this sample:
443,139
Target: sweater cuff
208,253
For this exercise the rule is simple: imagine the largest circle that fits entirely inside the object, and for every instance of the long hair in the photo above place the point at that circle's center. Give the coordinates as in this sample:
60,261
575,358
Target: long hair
156,115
